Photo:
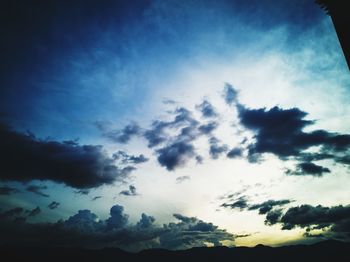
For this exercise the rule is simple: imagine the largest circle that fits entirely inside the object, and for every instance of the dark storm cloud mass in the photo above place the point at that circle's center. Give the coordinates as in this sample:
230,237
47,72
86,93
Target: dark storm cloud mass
333,221
6,190
37,190
24,158
130,192
88,230
207,109
53,205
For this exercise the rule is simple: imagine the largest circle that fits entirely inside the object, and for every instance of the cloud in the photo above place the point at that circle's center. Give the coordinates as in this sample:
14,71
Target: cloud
53,205
175,155
130,192
125,158
25,158
124,135
273,216
37,190
280,131
308,169
181,179
18,214
146,221
215,149
117,218
95,198
235,152
241,203
333,221
6,190
206,109
230,94
268,205
86,229
34,212
208,128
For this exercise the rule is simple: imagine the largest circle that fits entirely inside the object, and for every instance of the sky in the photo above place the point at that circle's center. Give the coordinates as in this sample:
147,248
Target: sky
172,124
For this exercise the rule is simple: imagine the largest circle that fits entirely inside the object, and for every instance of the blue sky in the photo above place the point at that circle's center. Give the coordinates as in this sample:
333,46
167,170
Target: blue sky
211,110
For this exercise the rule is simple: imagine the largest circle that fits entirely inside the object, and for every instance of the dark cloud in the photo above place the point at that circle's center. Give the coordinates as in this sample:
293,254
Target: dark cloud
125,158
206,109
268,205
241,203
87,230
130,192
183,120
37,190
82,192
235,152
334,221
34,212
216,149
53,205
117,218
208,128
6,190
95,198
308,169
25,158
273,216
181,179
175,155
280,131
124,135
199,159
146,221
230,94
11,213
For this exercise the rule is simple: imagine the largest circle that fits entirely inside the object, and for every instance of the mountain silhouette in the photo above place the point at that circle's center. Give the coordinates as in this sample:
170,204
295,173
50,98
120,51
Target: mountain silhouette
329,250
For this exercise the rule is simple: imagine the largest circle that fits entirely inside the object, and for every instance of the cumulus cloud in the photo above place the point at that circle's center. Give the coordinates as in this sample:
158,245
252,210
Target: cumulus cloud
25,158
53,205
88,230
208,128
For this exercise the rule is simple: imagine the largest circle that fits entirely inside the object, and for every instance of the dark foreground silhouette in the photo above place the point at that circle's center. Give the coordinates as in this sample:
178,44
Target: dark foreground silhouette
339,10
323,251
